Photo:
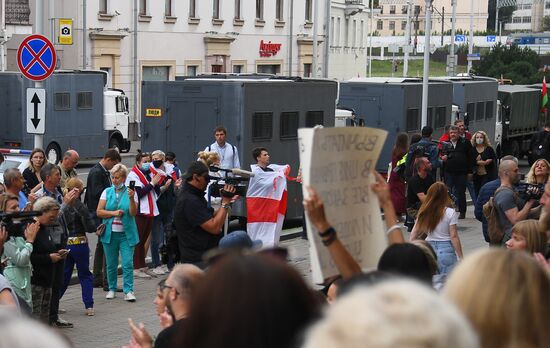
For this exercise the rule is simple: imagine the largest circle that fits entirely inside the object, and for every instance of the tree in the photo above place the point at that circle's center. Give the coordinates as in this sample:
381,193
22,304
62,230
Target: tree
519,64
546,23
504,14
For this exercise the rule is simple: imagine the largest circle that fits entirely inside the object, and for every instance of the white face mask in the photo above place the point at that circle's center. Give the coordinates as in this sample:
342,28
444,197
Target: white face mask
119,186
479,141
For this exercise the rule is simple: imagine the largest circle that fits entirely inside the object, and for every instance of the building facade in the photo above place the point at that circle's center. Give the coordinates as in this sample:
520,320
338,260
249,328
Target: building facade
529,15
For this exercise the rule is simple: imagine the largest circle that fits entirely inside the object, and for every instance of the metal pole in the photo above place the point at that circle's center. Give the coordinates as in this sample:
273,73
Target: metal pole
51,11
3,29
442,25
425,79
327,39
314,60
370,38
452,62
84,53
39,29
408,40
290,37
471,39
137,114
496,16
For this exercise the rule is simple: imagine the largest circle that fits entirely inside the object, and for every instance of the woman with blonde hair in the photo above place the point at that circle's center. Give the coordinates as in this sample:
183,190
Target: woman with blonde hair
539,172
529,236
504,294
33,181
485,160
209,158
437,222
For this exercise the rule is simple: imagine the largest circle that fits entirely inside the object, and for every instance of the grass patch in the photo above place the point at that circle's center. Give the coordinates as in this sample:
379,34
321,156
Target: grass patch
382,68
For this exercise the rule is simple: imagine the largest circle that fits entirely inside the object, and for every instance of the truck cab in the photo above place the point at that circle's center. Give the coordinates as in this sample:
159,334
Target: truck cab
116,118
346,117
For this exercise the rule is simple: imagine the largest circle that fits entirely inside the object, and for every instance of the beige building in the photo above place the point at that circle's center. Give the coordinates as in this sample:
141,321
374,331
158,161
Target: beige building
392,19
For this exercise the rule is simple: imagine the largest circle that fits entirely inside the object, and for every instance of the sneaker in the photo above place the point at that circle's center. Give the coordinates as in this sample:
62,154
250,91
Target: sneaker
110,295
90,312
165,269
158,271
62,324
141,274
130,297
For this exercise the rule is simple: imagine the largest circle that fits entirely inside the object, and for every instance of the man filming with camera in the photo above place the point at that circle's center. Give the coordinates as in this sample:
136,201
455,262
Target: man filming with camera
199,227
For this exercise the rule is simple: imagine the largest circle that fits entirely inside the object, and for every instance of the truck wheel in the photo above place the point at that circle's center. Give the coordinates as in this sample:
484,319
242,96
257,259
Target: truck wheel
114,143
53,153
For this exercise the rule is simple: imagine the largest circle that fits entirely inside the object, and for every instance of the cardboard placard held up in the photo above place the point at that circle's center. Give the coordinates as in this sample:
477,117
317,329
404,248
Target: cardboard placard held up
337,162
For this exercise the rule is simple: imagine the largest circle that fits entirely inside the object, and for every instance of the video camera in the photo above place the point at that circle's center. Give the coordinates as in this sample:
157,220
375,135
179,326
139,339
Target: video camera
238,181
16,222
529,191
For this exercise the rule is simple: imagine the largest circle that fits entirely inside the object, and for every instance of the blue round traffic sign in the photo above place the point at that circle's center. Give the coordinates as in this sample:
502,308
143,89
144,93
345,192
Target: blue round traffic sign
36,57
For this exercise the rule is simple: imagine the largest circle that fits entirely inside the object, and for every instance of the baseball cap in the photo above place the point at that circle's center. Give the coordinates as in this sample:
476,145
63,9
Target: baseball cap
196,167
239,239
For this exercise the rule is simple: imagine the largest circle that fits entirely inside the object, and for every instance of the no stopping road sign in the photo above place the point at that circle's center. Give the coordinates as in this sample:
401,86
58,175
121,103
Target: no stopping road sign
36,57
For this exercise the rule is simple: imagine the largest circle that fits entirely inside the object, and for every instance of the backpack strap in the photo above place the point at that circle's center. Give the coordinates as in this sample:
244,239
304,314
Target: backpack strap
209,150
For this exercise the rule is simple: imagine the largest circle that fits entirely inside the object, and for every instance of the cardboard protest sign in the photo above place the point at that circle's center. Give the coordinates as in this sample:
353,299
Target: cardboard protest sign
337,163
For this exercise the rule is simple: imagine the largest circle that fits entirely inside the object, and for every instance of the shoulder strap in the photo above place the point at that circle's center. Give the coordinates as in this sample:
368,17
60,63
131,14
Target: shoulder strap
209,148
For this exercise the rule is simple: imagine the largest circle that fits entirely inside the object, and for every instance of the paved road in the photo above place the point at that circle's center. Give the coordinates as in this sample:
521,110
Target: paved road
109,327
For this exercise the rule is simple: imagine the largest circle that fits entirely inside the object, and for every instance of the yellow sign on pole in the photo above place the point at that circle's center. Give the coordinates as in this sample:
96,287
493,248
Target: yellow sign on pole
66,31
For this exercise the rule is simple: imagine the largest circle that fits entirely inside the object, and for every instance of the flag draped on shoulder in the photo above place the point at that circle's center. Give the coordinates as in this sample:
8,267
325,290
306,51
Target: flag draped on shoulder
544,94
266,202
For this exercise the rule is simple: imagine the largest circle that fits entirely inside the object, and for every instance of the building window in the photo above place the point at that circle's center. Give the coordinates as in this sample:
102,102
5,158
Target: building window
260,9
416,9
156,73
346,33
262,126
84,100
289,125
216,9
62,101
526,19
309,5
379,25
192,70
489,110
103,6
416,25
516,19
307,70
193,8
392,25
362,34
315,118
237,9
332,31
279,7
381,9
392,9
403,25
354,34
238,69
273,69
404,9
338,27
413,120
547,5
526,6
168,8
142,7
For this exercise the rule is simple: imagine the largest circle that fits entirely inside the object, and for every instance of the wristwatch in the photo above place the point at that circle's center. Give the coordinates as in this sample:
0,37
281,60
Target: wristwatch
226,206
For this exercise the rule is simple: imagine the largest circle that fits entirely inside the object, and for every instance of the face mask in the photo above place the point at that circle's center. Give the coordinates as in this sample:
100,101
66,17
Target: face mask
119,186
158,163
479,141
145,166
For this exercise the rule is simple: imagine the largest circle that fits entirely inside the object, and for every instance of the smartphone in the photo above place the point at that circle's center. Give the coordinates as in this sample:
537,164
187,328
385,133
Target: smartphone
132,185
65,252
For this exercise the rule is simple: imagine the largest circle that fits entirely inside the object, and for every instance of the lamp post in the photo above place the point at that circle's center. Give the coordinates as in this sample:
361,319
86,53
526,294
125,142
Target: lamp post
426,77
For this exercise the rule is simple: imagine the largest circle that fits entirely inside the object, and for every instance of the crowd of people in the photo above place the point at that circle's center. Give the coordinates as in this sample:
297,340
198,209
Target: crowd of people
424,293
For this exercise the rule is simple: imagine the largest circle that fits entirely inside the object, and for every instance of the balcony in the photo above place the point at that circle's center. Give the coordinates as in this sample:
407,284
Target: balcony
353,7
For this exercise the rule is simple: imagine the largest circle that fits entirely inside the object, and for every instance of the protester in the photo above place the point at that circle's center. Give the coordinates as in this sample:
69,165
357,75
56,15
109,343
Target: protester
485,161
198,227
540,145
539,172
397,183
437,223
388,315
458,164
228,153
528,235
17,251
171,159
511,209
66,167
406,260
178,291
44,256
418,186
425,147
15,183
78,223
147,189
33,181
262,290
117,207
98,180
504,294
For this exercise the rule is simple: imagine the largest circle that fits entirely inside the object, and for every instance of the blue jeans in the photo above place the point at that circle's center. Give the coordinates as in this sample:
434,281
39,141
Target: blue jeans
456,183
80,255
119,243
446,257
471,189
161,224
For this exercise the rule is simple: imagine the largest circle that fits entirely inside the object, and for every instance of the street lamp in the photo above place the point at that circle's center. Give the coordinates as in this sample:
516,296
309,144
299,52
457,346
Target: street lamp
426,77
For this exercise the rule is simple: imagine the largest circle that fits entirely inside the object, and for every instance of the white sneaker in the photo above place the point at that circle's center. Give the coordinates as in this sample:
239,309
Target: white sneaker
141,274
110,295
165,269
159,270
130,297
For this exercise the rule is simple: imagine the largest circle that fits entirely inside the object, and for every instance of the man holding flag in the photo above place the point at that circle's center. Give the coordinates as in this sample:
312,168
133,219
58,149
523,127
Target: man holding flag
540,143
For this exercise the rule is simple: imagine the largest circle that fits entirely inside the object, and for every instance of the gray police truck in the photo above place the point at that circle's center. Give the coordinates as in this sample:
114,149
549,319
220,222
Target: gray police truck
81,114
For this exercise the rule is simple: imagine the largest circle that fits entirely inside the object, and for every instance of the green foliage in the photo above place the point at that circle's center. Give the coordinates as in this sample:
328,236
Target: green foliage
546,23
512,62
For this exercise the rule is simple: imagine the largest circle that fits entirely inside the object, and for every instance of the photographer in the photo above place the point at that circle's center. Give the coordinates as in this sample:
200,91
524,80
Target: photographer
17,251
198,227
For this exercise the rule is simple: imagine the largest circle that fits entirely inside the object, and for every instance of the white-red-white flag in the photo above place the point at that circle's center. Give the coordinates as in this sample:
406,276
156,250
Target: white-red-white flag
266,201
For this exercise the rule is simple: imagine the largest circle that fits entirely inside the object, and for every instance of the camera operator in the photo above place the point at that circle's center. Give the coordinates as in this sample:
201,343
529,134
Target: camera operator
510,207
199,227
17,251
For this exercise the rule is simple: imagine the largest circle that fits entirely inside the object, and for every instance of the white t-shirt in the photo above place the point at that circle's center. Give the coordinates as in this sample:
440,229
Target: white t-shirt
117,222
442,231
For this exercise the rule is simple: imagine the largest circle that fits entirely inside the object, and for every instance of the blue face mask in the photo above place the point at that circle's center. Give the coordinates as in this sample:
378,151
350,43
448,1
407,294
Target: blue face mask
119,186
145,166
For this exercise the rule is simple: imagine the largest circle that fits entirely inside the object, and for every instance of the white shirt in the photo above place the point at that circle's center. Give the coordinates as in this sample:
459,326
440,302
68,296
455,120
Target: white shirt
117,222
442,231
229,155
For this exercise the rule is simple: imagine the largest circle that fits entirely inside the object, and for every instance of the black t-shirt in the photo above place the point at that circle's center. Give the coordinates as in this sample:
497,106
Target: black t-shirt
417,185
167,336
192,211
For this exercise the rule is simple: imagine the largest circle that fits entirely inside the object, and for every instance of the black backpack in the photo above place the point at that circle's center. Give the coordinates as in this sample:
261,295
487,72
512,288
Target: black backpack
417,151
